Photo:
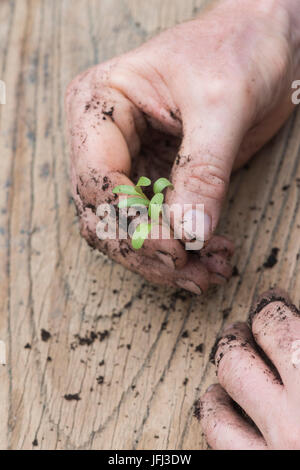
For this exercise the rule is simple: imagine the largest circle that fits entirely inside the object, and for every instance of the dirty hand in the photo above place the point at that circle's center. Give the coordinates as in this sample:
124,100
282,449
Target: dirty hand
191,104
258,371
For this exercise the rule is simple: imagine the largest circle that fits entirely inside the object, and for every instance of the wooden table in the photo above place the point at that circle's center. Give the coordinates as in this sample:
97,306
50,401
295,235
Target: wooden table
134,385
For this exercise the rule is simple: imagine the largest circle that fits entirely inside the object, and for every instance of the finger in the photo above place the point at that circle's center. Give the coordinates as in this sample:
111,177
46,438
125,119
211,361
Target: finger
262,132
217,279
223,426
103,137
245,376
194,277
276,328
213,132
219,244
99,137
217,263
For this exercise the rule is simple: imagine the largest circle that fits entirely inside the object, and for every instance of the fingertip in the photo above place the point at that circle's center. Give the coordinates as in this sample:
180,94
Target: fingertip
170,252
189,285
266,298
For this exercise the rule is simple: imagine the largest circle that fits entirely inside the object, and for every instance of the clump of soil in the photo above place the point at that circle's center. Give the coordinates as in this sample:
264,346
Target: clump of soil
199,348
89,338
72,397
45,335
272,259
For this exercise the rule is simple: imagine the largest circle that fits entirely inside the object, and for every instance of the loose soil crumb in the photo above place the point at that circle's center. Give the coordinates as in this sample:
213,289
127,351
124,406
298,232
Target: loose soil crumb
272,259
226,312
199,348
198,410
45,335
89,338
235,272
72,397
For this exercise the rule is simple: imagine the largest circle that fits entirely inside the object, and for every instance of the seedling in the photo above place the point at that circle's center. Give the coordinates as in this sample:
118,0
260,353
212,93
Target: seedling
138,198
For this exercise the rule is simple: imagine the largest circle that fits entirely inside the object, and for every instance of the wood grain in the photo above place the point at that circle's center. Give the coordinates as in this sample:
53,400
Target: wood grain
137,381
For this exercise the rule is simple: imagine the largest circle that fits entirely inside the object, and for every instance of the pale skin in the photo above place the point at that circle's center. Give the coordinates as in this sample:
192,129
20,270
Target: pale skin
192,104
269,394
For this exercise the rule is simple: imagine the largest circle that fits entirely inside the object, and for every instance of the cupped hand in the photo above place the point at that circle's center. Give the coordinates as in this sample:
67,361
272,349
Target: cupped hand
191,104
257,404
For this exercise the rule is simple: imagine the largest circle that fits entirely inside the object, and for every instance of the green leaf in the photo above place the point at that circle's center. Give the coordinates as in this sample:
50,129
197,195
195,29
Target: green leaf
141,233
133,201
126,189
157,199
143,181
161,184
140,191
155,206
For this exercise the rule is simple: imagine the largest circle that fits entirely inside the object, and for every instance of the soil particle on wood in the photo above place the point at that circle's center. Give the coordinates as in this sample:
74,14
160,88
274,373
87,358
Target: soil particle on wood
103,335
272,259
27,346
72,397
45,335
235,272
198,410
226,312
35,442
100,380
89,338
199,348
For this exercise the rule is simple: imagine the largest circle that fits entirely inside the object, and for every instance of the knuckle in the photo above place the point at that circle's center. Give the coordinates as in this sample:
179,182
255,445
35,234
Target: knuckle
215,90
221,90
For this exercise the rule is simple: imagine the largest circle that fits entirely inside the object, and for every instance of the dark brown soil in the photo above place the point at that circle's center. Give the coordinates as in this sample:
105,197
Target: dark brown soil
45,335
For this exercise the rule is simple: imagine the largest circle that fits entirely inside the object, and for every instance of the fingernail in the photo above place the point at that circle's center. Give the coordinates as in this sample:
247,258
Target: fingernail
211,387
197,224
189,285
166,259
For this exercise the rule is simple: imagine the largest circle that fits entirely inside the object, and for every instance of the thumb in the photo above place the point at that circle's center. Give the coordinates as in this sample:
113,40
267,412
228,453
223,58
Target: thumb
202,170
